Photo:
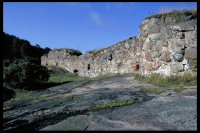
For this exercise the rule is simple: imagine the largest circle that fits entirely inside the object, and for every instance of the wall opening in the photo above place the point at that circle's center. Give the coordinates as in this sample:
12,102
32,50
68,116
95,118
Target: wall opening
88,67
56,63
75,71
137,67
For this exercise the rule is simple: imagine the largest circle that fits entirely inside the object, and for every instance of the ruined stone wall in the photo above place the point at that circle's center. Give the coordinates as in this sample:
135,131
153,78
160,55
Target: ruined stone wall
162,46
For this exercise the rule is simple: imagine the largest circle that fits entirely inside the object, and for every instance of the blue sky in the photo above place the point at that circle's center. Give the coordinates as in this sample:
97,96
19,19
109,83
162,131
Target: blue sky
82,25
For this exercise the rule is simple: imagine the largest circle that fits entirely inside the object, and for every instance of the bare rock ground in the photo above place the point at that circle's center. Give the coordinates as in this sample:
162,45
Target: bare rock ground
166,111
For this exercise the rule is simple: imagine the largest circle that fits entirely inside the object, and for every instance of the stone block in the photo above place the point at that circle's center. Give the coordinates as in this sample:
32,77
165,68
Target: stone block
158,54
157,63
117,48
179,35
165,33
148,66
148,56
193,64
190,38
185,25
155,29
177,44
131,49
178,57
145,45
168,20
154,36
178,51
191,53
145,34
165,56
153,21
127,45
157,46
176,67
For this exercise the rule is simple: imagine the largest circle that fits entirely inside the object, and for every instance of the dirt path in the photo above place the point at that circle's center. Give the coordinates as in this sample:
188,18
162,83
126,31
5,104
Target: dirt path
166,111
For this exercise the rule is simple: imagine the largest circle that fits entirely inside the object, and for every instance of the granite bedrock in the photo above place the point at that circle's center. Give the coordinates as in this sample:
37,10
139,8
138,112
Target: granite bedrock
163,46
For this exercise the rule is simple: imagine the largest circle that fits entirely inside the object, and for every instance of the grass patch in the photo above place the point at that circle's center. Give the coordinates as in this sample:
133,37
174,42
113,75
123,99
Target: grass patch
177,12
169,81
112,104
66,96
70,51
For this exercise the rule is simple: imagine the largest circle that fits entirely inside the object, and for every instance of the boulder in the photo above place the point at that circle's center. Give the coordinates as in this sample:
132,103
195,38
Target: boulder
127,45
158,54
193,64
155,29
165,56
148,66
178,51
191,53
168,20
157,63
190,38
145,45
178,57
144,34
148,56
185,25
154,36
177,44
165,33
157,46
176,67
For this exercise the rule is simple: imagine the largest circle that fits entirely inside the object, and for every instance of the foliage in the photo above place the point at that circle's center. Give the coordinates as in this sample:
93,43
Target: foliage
113,103
176,14
95,51
21,72
21,64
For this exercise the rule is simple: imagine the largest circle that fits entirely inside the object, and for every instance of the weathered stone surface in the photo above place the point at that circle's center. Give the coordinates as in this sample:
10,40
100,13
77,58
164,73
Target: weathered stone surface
190,38
155,29
178,51
144,34
131,50
157,63
193,64
140,42
127,45
190,53
176,67
145,45
148,56
168,20
158,54
179,35
153,21
165,33
148,66
178,57
177,44
157,46
154,36
185,26
165,56
117,48
144,28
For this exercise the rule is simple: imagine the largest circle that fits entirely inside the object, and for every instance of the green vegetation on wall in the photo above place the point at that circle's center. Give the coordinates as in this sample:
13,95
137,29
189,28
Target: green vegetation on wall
70,51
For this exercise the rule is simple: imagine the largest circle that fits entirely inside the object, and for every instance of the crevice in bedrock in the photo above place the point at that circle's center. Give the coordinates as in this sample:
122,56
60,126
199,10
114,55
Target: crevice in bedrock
40,121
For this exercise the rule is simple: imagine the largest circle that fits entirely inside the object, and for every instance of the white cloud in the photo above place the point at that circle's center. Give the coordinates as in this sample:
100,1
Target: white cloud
95,17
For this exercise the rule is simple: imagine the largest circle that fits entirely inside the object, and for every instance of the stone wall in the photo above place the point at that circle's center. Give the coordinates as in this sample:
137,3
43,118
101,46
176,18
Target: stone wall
162,46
